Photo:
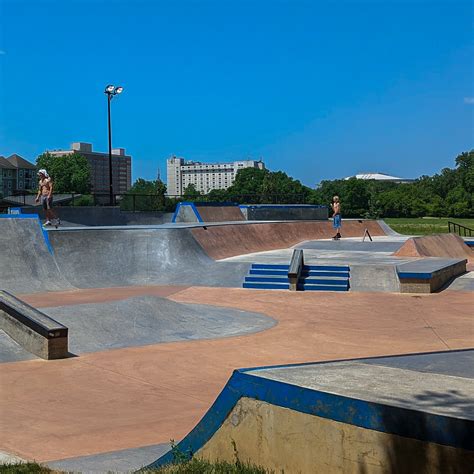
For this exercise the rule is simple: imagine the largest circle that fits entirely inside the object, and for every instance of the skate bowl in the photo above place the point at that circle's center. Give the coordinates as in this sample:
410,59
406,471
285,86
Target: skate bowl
439,245
94,257
207,212
231,240
328,417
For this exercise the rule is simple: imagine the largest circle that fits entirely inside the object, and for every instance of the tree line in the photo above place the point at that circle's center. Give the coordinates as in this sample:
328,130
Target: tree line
449,193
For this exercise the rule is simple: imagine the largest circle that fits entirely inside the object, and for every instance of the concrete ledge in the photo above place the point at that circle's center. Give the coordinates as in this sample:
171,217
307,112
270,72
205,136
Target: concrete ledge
428,275
34,331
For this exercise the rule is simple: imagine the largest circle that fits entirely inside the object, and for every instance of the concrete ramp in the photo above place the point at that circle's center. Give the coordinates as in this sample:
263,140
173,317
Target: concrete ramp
439,245
346,416
94,258
207,212
230,240
26,263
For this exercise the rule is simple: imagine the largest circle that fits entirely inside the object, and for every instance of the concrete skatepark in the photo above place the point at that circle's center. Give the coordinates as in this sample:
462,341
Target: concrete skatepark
158,321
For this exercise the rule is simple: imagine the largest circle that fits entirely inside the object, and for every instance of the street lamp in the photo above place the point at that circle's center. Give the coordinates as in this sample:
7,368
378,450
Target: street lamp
111,91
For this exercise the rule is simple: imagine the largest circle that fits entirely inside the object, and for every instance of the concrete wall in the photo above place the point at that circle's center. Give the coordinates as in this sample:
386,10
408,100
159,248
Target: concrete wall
282,439
284,212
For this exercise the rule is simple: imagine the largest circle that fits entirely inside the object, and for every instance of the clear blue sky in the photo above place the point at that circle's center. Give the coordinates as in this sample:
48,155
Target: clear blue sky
319,89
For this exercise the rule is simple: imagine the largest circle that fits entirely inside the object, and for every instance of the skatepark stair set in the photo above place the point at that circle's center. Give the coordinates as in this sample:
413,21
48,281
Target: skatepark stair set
311,278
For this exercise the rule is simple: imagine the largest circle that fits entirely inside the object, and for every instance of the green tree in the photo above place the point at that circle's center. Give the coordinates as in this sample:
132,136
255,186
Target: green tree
70,173
190,193
145,196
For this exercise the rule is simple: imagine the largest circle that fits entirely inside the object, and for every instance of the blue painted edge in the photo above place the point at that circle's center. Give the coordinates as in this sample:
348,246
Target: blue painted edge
32,216
404,422
175,215
418,276
469,243
191,205
282,206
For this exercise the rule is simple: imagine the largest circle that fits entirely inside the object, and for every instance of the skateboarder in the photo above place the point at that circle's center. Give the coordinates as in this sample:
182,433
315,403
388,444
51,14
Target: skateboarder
45,193
336,217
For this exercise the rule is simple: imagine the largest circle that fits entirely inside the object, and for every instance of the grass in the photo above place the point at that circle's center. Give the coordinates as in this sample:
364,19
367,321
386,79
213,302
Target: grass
195,466
25,468
425,225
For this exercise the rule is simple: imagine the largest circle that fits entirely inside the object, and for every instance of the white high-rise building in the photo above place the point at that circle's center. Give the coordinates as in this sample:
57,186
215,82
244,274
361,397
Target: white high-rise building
204,176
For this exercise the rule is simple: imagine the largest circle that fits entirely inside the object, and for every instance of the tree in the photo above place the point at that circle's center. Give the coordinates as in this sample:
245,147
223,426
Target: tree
145,196
70,173
190,193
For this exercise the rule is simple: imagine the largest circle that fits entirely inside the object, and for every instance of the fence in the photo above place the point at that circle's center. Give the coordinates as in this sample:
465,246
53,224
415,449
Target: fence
150,202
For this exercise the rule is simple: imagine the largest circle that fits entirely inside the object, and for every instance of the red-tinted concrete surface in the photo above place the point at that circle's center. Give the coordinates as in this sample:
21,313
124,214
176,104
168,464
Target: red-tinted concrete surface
441,245
231,240
220,213
140,396
96,295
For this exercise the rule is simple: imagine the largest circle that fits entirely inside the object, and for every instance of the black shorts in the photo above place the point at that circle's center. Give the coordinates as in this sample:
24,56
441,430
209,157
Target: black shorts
47,202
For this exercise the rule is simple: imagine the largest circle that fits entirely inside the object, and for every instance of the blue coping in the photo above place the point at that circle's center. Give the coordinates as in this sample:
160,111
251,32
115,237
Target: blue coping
470,243
423,264
193,207
423,426
32,216
281,206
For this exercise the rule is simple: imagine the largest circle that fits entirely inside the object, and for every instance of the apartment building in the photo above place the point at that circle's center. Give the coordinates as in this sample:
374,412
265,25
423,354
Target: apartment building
204,176
99,163
16,175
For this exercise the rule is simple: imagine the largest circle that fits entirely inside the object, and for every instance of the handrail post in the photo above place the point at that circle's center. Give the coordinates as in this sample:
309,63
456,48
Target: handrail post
295,269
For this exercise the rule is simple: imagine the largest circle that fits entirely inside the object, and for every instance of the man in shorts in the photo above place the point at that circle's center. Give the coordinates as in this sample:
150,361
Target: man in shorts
45,194
336,217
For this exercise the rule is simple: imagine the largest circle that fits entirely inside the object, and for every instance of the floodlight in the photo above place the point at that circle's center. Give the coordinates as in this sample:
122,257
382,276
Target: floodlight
118,90
109,89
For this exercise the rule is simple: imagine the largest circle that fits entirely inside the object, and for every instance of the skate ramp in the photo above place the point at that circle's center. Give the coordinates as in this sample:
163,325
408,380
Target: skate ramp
92,258
231,240
26,264
145,320
439,245
284,212
207,212
344,416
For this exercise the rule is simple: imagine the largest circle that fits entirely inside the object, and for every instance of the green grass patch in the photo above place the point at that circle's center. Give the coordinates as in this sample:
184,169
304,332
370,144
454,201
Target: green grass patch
198,466
425,225
25,468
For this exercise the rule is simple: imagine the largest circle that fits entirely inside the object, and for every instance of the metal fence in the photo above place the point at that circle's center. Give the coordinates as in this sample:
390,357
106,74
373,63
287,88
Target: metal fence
150,202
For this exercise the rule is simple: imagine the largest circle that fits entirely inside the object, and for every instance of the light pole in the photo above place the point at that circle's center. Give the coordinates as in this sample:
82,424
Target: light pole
111,91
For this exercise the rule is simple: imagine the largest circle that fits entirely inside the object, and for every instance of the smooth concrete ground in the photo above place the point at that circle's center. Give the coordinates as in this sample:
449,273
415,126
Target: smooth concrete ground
130,398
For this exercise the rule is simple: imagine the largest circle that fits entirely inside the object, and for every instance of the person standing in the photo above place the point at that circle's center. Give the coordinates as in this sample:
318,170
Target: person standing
336,217
45,193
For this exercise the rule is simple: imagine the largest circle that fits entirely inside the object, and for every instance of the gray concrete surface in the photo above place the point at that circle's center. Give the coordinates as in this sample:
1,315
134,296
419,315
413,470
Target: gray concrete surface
11,351
127,460
26,266
147,320
463,283
427,391
121,257
457,363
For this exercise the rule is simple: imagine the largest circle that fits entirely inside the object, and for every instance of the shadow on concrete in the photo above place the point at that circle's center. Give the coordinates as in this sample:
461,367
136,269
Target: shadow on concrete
410,454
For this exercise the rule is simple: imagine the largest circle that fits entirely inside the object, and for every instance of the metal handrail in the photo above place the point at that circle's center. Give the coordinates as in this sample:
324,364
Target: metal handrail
460,229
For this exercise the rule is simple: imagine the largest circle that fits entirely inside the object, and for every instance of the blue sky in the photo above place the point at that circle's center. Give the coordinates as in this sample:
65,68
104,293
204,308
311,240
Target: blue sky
319,89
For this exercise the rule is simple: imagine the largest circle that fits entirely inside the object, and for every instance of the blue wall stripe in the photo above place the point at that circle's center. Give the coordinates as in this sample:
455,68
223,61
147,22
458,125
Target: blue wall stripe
404,422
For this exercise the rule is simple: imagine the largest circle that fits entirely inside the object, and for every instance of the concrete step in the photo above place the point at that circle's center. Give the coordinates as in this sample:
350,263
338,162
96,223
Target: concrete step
268,266
332,268
307,287
267,286
268,272
320,273
324,281
271,279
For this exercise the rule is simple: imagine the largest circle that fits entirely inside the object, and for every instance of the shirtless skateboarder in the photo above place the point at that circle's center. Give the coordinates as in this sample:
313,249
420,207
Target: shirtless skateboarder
336,217
45,193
